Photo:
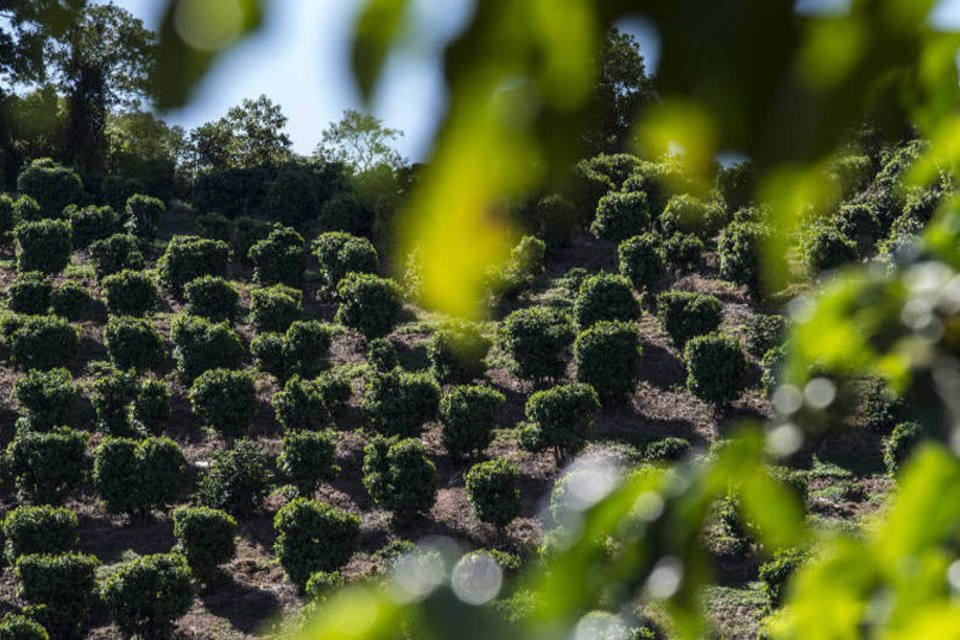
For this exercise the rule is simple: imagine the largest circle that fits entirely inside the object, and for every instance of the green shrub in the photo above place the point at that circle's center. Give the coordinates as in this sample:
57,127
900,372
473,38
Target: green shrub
26,209
608,357
824,247
852,173
215,226
133,343
301,404
29,293
344,212
735,185
369,304
272,309
306,344
42,529
775,574
207,539
44,245
130,293
113,393
48,397
313,536
280,258
269,353
469,416
187,258
211,297
307,458
320,585
339,253
537,339
682,252
224,399
400,402
382,354
292,197
47,466
135,477
641,260
685,314
116,253
52,185
91,223
666,450
764,332
248,232
151,407
492,491
143,215
880,406
17,627
716,368
201,345
43,342
399,476
563,417
858,222
689,215
556,219
621,215
60,590
605,296
147,595
8,217
71,300
772,365
740,250
237,479
457,352
901,442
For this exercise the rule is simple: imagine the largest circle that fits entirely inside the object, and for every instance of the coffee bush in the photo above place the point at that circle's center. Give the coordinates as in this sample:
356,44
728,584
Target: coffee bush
685,314
369,304
215,226
44,245
130,293
17,627
605,296
143,215
133,343
716,368
135,477
300,405
557,219
764,332
621,215
740,249
901,442
492,491
457,352
683,252
224,399
339,253
641,260
344,212
608,357
237,479
47,466
41,529
8,218
212,297
775,574
52,185
29,293
880,407
824,247
280,258
307,458
43,342
47,397
272,309
207,539
666,450
116,253
563,417
113,393
469,416
201,345
399,476
537,340
151,407
248,232
187,258
72,301
313,536
147,595
689,215
400,403
91,223
60,590
306,344
382,355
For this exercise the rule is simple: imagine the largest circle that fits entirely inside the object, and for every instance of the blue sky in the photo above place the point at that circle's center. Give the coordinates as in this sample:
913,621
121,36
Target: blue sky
301,60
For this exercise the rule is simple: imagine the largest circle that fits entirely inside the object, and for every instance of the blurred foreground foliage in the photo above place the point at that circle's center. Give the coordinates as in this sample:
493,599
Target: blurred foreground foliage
784,88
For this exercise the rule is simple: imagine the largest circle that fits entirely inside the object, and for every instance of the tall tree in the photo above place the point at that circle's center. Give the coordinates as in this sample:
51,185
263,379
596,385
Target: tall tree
361,142
250,135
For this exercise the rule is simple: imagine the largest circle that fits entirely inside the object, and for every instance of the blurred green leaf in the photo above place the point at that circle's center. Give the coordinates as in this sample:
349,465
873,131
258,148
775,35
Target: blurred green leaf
378,26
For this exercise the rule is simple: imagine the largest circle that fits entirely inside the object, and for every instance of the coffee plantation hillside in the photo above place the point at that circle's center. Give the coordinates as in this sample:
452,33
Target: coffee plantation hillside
210,421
